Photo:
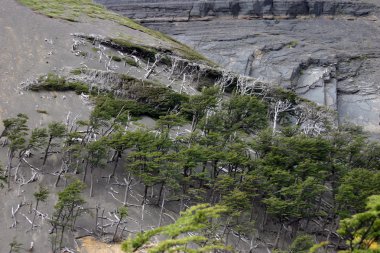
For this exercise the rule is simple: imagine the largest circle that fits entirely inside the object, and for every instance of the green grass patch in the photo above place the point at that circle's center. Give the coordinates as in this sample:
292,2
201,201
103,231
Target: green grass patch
293,44
41,111
131,61
130,47
95,49
72,10
53,82
116,58
77,71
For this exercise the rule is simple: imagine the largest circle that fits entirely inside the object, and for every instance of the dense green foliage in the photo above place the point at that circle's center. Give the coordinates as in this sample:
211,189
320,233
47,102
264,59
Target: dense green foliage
66,211
145,52
207,148
196,219
362,230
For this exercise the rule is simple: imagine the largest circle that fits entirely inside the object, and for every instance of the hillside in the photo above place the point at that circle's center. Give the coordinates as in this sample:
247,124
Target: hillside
325,50
116,132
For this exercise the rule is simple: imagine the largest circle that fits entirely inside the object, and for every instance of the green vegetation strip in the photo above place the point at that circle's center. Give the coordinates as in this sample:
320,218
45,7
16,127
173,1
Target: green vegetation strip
53,82
141,98
72,10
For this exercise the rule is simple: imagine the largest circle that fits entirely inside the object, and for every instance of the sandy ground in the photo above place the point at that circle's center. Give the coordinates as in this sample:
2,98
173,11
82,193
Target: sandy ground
90,245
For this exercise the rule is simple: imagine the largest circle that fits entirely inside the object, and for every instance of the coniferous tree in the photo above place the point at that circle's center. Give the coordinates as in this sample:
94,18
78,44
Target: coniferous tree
16,130
122,213
96,155
197,219
56,130
66,211
363,229
40,196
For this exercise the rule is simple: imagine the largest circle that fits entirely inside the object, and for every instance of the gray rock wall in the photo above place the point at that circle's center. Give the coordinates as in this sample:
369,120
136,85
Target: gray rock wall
184,9
331,56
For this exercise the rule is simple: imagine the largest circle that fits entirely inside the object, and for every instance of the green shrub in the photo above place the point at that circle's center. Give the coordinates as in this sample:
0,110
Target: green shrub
302,244
159,98
148,53
77,71
53,82
116,58
108,107
131,61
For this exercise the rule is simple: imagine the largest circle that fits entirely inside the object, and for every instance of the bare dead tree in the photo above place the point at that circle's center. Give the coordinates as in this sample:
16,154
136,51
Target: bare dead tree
150,69
280,106
128,183
226,80
162,207
14,212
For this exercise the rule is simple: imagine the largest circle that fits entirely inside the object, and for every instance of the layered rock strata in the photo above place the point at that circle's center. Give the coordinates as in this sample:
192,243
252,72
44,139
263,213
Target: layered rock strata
326,50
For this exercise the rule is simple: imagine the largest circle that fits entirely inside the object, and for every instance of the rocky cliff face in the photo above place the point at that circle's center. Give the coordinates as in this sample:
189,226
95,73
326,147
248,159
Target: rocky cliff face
253,8
326,50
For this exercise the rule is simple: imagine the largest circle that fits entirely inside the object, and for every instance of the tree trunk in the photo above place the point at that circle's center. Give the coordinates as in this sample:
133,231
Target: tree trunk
102,221
142,217
160,193
59,176
162,209
96,219
295,229
61,239
128,183
275,123
117,227
116,163
278,237
92,182
85,172
252,210
194,123
122,232
145,194
264,220
35,214
181,203
47,150
10,158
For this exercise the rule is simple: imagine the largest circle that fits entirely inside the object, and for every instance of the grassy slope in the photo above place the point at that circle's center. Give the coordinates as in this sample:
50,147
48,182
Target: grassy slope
72,10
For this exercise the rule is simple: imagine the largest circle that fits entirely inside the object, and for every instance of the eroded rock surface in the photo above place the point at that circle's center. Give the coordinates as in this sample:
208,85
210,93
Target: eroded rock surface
150,9
326,50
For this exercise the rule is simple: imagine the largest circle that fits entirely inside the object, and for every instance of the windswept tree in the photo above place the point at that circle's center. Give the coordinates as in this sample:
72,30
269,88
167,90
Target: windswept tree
244,113
118,142
168,122
36,141
362,230
122,213
16,131
355,187
199,105
96,155
40,196
66,211
197,220
56,130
